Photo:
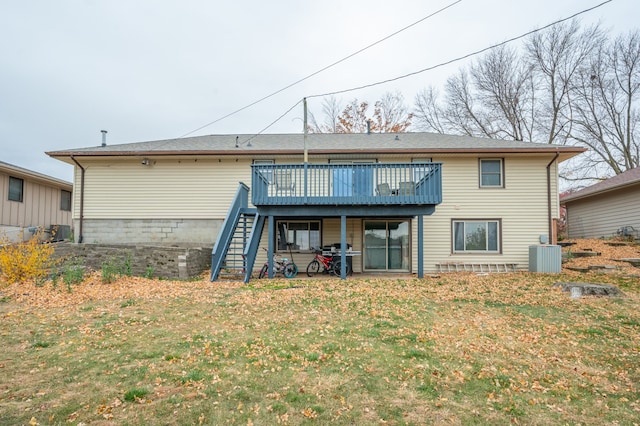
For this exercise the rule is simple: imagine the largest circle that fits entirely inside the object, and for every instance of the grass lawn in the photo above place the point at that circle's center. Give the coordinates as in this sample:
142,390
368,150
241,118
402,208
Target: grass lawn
458,349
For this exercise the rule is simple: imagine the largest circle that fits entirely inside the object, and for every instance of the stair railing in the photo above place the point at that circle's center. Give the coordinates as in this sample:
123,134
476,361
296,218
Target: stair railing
219,252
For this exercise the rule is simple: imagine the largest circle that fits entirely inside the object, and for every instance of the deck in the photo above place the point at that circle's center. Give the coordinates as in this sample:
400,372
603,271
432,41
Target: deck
369,184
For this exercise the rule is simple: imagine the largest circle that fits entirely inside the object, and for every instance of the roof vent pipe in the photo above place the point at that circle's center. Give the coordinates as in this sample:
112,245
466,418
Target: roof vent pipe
368,127
104,137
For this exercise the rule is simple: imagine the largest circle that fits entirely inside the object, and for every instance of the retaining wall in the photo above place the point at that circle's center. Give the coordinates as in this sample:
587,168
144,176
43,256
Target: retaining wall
158,261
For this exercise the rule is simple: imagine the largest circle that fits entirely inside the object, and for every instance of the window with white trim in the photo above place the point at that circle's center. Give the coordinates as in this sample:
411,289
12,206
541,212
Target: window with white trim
491,173
420,172
267,173
302,235
476,236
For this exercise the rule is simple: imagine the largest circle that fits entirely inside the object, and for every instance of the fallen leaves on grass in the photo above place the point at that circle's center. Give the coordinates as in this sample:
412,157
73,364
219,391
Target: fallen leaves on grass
93,289
609,255
493,287
459,348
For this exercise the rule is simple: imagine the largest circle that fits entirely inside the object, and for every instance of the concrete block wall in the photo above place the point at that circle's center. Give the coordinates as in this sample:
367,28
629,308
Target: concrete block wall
149,231
172,262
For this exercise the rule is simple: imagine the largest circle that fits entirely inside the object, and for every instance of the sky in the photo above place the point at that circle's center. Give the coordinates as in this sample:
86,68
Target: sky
160,69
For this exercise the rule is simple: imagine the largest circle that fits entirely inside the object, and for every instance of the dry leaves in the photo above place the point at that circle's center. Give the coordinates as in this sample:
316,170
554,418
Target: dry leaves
608,256
93,289
492,287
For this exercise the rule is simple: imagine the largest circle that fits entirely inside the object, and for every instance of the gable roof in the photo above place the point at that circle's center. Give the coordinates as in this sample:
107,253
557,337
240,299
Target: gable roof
628,178
21,172
318,144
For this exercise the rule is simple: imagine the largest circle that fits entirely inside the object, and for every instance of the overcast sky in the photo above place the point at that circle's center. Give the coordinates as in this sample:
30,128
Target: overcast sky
159,69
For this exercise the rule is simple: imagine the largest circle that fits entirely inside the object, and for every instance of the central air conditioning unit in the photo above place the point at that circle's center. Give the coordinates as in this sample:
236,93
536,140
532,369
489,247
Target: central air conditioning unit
545,258
60,232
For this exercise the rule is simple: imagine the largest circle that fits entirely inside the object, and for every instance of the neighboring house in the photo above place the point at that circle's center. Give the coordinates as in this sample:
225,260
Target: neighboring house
31,200
407,202
602,209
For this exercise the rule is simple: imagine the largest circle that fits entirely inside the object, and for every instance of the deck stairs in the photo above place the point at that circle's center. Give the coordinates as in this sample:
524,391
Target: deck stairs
235,249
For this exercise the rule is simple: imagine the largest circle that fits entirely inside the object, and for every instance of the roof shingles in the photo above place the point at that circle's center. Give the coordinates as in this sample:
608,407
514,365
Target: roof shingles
317,143
630,177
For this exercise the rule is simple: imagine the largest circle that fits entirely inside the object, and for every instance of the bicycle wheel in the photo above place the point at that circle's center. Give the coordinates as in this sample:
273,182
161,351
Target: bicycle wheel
313,267
290,270
336,268
263,271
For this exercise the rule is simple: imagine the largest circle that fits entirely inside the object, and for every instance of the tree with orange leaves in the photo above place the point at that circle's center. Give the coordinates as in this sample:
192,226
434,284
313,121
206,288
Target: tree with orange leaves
390,115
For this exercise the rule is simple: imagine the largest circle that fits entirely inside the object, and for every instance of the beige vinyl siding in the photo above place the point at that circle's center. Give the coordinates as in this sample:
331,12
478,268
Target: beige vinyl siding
521,206
187,189
602,215
204,189
40,205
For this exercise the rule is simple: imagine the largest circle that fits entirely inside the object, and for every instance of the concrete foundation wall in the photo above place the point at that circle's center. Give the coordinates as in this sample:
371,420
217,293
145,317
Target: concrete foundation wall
156,261
149,231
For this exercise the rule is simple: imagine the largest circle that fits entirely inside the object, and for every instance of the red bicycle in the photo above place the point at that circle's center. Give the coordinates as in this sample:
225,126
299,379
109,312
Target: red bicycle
325,264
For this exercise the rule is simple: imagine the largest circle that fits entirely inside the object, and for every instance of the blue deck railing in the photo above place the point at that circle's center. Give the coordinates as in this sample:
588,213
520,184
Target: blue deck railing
346,184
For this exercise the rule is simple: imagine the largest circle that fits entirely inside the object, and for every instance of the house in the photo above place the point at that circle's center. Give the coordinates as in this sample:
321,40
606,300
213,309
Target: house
605,208
407,202
31,200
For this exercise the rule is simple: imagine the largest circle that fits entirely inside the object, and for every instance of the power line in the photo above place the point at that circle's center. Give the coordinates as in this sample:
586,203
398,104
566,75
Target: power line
324,69
477,52
272,123
429,68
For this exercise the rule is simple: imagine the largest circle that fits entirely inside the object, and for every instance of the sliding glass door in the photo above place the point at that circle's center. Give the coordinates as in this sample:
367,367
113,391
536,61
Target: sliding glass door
387,245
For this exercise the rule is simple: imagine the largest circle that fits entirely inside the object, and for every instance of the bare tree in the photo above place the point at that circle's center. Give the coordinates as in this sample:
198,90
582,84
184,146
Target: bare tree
605,109
492,98
556,56
427,111
570,85
501,83
331,110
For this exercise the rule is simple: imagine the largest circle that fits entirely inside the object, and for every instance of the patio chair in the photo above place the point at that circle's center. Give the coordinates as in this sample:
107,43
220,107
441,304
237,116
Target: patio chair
383,189
284,181
407,188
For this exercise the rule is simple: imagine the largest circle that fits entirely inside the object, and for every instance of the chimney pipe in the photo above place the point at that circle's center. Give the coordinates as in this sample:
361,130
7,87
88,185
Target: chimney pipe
104,137
368,127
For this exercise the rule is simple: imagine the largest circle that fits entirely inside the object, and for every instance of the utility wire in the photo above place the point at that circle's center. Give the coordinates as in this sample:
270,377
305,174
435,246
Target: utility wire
323,69
422,70
248,140
477,52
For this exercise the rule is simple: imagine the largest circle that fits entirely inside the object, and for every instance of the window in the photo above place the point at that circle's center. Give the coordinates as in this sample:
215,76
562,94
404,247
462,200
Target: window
16,189
303,236
491,173
65,200
268,172
420,172
474,236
